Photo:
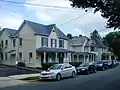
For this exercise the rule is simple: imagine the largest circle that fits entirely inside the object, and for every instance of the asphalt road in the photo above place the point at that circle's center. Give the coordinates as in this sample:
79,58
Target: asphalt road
8,71
103,80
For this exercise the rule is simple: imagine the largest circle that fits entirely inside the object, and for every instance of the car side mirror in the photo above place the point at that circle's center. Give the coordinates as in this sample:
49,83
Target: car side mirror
62,68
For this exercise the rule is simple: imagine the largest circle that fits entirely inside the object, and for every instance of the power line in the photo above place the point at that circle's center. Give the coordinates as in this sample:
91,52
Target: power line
39,5
73,19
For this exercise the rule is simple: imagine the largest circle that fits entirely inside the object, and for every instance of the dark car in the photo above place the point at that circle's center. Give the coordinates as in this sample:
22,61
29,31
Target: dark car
85,68
110,63
20,64
115,63
101,65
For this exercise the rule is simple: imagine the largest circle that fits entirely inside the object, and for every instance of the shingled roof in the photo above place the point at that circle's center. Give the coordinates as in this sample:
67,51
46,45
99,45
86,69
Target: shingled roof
44,30
11,32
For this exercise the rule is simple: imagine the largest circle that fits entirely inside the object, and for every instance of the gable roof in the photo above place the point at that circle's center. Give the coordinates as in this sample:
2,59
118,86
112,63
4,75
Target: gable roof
91,43
41,29
11,32
78,40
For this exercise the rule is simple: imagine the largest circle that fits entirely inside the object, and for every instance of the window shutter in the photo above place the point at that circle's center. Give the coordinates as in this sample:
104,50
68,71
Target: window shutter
51,42
55,43
42,41
47,42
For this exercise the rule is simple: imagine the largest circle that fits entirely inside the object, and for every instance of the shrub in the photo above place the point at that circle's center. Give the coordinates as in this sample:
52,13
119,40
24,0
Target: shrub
45,66
76,64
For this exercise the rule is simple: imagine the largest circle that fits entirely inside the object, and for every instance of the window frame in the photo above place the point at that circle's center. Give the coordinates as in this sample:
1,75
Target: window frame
53,43
62,44
30,56
20,41
14,42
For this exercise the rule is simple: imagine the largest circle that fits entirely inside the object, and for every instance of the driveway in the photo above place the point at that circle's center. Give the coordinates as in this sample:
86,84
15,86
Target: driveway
102,80
8,71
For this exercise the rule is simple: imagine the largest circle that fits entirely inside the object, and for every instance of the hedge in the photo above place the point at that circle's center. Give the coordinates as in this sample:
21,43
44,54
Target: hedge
76,64
45,66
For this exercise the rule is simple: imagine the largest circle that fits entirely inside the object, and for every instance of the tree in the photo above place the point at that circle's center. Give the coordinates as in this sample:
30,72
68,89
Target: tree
113,40
110,9
69,36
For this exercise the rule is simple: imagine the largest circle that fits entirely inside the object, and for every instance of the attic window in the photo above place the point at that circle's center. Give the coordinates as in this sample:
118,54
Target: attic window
53,30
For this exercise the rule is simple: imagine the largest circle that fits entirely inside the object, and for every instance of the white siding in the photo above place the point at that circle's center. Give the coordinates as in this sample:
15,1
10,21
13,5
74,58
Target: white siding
9,47
29,45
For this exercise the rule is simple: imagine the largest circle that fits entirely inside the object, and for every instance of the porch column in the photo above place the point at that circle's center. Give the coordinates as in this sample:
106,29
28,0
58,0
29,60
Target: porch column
84,58
70,57
44,60
88,59
77,58
65,57
109,57
73,58
56,59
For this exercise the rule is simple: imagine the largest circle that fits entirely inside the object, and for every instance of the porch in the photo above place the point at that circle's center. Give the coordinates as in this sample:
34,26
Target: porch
53,55
83,57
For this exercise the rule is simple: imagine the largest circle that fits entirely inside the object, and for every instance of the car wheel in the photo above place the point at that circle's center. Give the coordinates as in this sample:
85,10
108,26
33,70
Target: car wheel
58,77
87,72
103,68
94,70
73,74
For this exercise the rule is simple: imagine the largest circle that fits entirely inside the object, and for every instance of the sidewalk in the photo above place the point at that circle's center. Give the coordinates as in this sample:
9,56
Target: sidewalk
14,80
23,76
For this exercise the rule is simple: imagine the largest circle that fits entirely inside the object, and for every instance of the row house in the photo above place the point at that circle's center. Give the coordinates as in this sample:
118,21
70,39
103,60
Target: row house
35,43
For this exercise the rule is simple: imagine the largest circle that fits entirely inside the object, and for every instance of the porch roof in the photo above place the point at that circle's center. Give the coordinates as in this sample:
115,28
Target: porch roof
83,53
45,49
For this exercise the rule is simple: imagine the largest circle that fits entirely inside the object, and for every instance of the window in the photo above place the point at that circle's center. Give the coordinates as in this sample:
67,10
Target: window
20,56
14,42
2,42
53,43
30,56
5,56
44,42
6,42
92,49
61,43
1,56
20,41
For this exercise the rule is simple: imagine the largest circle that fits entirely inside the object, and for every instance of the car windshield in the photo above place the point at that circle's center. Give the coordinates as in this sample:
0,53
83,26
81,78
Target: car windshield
99,62
56,66
84,65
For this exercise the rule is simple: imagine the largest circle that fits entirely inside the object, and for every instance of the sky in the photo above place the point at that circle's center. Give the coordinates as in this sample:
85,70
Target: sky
68,19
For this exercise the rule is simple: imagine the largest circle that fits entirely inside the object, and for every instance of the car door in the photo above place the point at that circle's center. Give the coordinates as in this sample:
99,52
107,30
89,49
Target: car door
64,71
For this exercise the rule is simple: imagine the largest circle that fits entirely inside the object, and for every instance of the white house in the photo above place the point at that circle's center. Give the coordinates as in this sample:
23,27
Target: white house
34,44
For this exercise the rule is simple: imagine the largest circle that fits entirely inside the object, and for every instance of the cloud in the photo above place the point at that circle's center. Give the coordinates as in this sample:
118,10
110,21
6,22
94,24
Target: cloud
85,24
11,20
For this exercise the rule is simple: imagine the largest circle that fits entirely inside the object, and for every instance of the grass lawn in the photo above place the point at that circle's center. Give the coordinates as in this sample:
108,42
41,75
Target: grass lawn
31,79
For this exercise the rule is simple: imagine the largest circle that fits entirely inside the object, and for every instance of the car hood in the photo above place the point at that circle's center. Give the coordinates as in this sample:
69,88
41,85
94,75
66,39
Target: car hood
98,64
82,68
51,71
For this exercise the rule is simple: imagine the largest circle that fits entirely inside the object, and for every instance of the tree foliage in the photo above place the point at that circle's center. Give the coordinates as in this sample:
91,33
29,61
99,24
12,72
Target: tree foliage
113,40
109,9
69,36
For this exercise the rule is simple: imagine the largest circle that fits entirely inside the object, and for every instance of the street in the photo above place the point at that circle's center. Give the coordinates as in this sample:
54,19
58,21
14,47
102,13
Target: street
102,80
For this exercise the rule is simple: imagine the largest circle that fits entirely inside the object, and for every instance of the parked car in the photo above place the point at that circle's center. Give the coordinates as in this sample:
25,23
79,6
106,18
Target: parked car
20,64
86,68
101,65
110,63
58,71
115,62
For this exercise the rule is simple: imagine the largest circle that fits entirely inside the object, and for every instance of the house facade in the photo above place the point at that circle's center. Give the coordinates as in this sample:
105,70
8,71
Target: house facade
34,44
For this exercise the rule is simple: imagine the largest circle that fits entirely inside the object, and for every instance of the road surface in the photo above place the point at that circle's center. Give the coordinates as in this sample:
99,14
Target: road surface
103,80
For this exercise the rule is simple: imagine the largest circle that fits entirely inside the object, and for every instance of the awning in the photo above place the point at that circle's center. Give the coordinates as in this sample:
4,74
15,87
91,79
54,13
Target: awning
45,49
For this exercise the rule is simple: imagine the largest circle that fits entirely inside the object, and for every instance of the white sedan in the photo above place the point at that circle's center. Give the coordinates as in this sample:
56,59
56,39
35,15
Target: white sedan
58,71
